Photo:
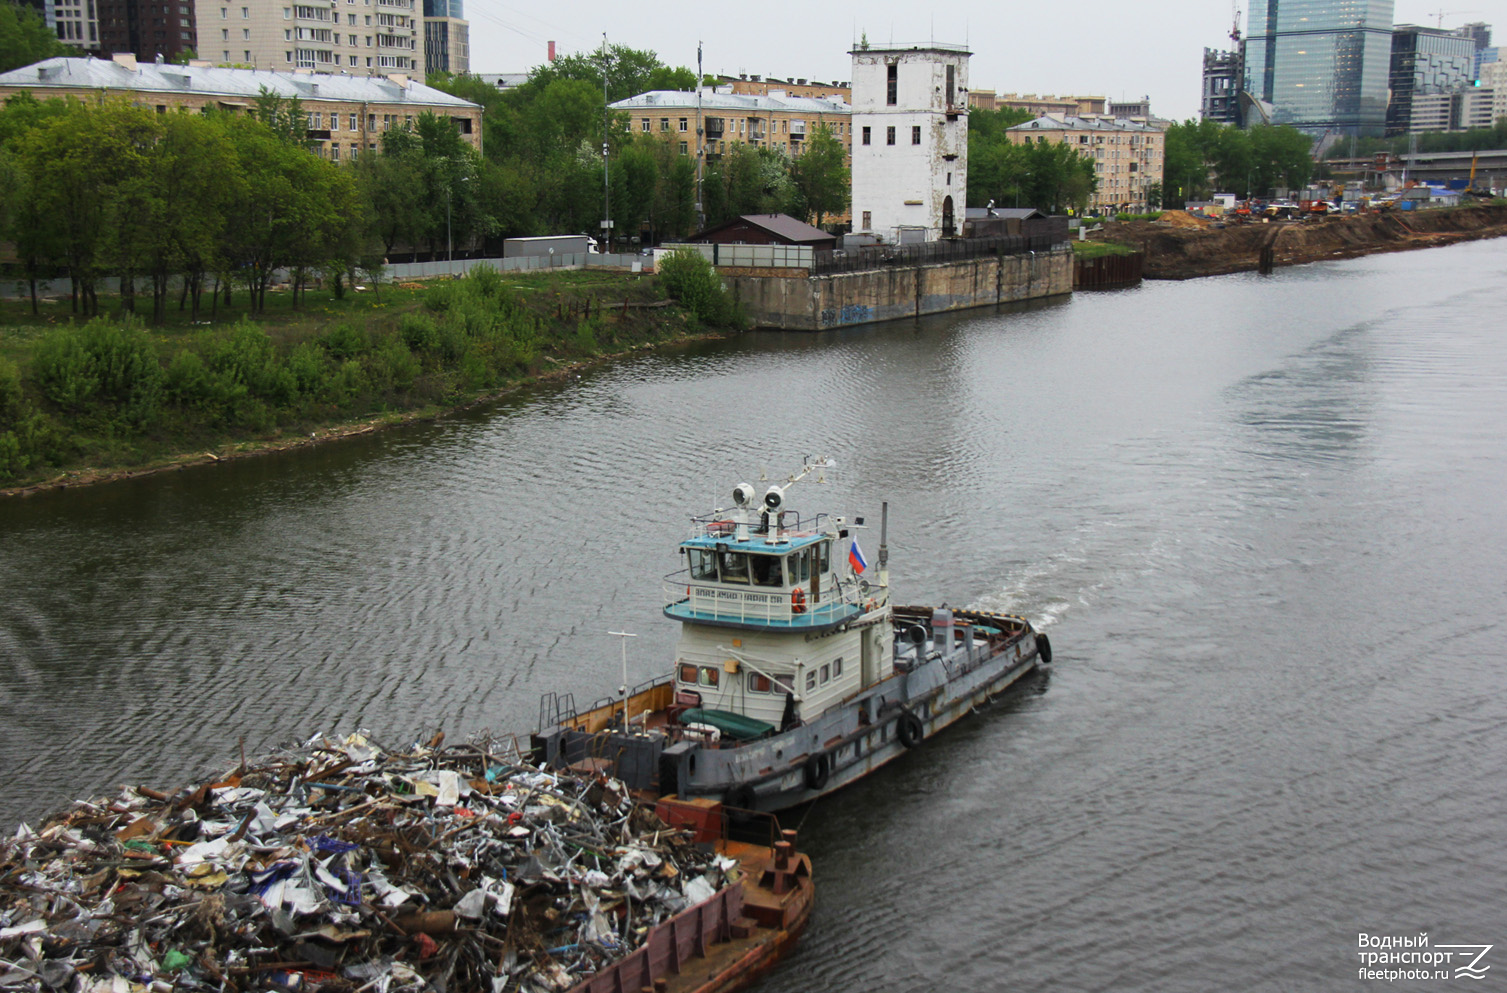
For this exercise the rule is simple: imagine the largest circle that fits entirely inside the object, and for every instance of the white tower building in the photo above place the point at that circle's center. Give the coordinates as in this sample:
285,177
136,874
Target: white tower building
910,141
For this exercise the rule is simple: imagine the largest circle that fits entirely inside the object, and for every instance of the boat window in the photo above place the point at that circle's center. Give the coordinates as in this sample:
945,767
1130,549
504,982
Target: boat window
824,556
811,680
826,674
766,570
710,676
703,564
800,566
734,567
758,683
785,683
688,674
836,668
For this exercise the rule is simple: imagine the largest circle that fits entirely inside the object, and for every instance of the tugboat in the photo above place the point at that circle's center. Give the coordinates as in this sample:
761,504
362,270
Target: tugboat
794,675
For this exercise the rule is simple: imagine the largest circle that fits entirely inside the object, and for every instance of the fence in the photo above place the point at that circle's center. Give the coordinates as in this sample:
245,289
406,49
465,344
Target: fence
522,263
14,287
1108,270
1040,235
753,256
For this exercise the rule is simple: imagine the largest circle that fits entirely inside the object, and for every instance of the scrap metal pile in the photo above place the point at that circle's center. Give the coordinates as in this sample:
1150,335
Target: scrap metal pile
342,867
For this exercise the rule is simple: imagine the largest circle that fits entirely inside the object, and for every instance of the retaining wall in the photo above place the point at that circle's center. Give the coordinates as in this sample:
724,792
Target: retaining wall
815,303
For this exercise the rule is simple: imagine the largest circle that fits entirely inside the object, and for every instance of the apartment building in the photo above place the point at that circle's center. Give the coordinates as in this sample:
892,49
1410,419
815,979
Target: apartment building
1064,106
765,86
346,113
1129,155
356,37
76,22
724,119
447,37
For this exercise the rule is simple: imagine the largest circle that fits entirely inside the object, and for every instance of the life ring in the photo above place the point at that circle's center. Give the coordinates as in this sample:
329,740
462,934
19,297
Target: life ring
797,601
818,770
908,728
1044,649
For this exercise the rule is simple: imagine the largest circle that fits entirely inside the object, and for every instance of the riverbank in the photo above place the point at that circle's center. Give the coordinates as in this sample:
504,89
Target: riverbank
82,404
1191,249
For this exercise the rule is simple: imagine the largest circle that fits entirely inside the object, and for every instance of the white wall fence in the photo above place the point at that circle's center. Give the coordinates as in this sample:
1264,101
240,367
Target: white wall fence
752,256
16,287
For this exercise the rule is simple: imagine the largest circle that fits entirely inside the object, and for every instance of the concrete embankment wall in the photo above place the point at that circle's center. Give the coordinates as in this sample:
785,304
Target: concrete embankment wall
814,303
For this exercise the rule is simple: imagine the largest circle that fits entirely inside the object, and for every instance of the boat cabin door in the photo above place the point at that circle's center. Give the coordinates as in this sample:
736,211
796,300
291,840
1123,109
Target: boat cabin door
869,653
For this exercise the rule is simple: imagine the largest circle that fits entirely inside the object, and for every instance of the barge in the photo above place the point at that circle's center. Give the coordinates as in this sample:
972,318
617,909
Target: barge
794,675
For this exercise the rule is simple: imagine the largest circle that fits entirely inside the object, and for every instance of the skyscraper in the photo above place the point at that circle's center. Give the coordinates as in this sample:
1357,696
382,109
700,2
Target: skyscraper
1322,64
1426,61
447,37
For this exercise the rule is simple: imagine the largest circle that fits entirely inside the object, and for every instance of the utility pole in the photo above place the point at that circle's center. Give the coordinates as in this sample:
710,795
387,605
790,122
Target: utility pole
606,174
700,143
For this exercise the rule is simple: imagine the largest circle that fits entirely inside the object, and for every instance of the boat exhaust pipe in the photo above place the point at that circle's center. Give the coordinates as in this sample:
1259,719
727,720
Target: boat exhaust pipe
884,544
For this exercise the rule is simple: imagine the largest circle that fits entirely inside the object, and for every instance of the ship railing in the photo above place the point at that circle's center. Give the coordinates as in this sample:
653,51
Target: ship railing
784,524
763,603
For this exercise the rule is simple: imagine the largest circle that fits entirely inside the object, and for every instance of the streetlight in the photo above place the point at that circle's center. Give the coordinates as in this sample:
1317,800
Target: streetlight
449,244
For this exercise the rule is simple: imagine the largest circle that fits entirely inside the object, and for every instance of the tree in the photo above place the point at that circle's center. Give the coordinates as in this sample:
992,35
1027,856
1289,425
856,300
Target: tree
824,181
88,159
25,38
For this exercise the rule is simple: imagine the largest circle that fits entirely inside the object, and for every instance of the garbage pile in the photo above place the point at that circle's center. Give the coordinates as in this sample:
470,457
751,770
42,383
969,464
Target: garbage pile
342,867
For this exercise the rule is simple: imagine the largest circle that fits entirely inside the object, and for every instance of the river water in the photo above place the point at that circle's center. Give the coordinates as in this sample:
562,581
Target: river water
1264,520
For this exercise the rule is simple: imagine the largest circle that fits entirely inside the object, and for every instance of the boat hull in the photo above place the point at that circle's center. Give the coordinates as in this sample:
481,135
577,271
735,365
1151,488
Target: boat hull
848,741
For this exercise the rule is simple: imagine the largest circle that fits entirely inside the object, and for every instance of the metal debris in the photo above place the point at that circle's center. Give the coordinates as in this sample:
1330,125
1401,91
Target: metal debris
341,866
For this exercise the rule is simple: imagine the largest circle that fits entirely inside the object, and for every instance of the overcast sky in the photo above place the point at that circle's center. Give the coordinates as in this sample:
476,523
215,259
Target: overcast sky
1123,50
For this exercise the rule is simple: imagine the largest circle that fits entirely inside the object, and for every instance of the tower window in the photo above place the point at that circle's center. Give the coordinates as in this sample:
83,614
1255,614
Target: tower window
893,92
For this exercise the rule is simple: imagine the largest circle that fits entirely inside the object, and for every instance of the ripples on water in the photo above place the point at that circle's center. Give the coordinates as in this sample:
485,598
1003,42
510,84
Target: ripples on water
1261,517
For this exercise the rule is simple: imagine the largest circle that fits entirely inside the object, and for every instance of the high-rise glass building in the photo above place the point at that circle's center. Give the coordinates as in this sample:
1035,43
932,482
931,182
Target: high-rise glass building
1426,61
1321,64
447,37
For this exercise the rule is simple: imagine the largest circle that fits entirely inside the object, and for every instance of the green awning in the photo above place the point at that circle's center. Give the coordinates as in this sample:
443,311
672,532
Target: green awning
731,724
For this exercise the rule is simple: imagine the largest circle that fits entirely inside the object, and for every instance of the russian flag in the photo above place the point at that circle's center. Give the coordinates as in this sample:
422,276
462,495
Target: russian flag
856,559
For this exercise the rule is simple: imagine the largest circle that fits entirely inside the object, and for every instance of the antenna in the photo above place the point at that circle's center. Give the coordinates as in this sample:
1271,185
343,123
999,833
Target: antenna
623,690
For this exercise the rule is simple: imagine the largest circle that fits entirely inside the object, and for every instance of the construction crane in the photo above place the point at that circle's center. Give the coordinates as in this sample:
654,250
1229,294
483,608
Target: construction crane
1442,14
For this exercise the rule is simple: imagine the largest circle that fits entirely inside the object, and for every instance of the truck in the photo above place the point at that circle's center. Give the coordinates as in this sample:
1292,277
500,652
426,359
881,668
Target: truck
549,244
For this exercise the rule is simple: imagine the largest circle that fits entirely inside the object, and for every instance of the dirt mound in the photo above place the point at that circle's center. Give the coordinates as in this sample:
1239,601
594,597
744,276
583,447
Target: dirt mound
1178,251
1183,219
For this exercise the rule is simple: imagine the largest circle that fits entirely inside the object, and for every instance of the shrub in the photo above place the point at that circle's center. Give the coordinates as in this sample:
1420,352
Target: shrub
392,365
13,461
13,403
419,332
484,280
345,341
309,366
691,280
189,381
64,370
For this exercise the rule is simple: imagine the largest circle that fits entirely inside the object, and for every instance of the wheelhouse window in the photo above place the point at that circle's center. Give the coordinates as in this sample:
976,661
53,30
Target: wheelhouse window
759,683
688,674
766,570
703,563
734,567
